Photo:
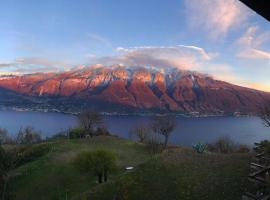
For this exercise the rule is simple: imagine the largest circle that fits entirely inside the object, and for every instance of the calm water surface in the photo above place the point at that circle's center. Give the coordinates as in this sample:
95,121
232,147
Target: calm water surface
188,131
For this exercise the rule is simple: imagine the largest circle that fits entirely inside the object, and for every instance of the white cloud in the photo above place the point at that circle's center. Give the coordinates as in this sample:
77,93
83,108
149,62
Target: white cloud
181,56
34,64
250,44
251,53
216,17
201,51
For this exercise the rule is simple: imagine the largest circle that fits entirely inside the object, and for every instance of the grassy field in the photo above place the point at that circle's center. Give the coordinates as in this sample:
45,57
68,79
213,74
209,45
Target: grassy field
178,173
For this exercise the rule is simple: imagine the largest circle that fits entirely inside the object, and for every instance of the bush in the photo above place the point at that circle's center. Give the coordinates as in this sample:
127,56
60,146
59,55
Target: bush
28,153
227,145
102,131
243,149
6,165
77,133
266,145
222,145
28,135
61,135
99,162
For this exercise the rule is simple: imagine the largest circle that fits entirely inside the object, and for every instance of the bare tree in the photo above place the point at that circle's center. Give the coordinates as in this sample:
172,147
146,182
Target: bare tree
90,120
154,143
141,132
265,114
28,135
163,125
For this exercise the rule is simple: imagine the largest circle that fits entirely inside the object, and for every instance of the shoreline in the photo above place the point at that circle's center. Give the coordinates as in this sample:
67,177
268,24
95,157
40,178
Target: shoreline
186,115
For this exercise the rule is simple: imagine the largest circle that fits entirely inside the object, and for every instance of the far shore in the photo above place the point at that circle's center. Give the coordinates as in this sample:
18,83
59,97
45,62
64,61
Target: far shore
149,114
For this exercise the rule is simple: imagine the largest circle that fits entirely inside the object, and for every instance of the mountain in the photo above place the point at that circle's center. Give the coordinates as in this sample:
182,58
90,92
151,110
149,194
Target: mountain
130,89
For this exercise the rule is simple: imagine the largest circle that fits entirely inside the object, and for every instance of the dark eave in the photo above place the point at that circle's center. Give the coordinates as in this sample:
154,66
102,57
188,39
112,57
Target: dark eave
262,7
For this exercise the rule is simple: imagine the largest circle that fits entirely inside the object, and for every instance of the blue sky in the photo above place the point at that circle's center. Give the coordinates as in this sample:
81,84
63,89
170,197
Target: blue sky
223,38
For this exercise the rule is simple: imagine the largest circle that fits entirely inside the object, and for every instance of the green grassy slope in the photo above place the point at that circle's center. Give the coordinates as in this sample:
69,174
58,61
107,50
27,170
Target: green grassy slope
53,176
181,176
176,174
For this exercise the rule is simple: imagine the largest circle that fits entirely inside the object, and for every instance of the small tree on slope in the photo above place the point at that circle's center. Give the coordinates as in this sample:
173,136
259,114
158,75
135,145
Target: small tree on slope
99,162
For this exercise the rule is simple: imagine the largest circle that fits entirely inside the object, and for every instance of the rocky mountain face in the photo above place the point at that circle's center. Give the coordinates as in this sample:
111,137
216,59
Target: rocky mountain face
115,88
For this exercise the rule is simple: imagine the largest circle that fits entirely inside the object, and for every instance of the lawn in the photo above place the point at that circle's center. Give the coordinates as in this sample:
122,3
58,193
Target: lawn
178,173
53,177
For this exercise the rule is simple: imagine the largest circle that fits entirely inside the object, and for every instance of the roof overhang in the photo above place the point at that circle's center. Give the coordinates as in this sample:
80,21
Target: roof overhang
262,7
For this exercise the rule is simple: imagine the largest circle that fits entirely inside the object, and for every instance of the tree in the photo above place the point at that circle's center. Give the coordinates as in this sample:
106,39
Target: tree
163,125
141,132
28,135
77,133
154,142
90,120
265,114
99,162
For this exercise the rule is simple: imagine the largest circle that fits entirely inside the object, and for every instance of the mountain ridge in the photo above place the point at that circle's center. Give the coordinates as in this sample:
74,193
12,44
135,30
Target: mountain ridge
137,89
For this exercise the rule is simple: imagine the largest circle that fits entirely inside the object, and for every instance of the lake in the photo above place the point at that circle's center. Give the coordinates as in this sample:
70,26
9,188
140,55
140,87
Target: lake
245,130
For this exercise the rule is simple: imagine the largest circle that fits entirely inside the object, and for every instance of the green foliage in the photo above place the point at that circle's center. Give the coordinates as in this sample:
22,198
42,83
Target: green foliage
266,145
199,147
60,135
99,162
6,164
29,153
77,133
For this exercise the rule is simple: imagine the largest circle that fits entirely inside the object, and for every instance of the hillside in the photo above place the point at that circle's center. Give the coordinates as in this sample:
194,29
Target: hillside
135,89
178,173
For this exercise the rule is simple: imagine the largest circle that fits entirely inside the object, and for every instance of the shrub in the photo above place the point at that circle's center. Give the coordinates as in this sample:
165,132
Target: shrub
222,145
243,149
77,133
102,131
7,160
61,135
99,162
199,147
28,153
227,145
266,145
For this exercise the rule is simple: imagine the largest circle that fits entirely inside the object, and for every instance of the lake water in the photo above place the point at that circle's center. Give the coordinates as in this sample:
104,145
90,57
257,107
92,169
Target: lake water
188,131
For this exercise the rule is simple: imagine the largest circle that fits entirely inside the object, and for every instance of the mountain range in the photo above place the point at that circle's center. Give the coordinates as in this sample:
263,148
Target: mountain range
127,90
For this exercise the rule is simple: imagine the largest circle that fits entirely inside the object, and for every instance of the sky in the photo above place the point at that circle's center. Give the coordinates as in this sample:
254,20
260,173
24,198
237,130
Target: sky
223,38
